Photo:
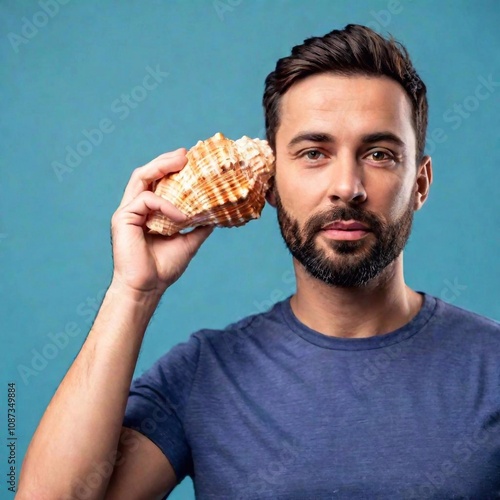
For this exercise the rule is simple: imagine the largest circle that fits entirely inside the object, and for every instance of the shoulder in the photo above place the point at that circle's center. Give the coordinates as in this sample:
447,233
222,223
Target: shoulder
209,343
465,322
455,313
242,335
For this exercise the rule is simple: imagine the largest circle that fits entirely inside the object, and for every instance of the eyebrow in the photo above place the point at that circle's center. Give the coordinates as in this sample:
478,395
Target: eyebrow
328,138
383,136
311,137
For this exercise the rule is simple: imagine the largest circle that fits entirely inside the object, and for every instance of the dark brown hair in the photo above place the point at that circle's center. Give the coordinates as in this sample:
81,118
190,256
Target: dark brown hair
355,50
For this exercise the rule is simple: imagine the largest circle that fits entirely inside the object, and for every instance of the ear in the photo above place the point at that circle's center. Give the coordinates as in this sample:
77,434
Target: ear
423,182
270,195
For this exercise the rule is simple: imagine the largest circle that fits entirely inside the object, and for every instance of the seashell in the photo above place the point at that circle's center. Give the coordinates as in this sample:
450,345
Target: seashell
223,184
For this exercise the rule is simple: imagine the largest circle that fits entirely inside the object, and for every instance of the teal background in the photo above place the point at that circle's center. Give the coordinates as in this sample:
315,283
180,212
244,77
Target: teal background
54,234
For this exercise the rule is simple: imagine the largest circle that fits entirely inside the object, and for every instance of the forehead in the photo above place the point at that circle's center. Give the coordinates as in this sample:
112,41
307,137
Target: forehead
346,106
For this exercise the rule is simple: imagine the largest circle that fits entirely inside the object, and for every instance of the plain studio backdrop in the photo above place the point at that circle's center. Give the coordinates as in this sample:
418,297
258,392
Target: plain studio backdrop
79,113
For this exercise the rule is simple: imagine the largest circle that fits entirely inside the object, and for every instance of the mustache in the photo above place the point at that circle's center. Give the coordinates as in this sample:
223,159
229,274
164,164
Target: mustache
334,214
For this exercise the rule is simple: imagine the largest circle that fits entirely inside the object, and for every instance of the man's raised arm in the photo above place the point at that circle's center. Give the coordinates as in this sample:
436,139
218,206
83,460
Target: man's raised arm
80,434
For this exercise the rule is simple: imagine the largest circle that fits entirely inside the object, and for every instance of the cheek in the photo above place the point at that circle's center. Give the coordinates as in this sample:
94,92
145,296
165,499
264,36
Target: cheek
300,192
286,186
396,201
386,195
298,198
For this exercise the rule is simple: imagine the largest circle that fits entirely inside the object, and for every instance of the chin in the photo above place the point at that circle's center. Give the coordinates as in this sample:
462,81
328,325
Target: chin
343,247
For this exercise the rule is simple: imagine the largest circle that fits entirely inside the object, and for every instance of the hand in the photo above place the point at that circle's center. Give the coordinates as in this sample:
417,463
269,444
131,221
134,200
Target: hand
148,263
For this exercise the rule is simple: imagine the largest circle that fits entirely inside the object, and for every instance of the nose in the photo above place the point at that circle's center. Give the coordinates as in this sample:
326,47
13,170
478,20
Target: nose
346,181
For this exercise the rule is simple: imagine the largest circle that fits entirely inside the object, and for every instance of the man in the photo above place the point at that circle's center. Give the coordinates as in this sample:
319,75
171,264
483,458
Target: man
356,387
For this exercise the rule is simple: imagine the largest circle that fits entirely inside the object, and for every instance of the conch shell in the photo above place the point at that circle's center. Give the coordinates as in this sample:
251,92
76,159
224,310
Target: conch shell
223,184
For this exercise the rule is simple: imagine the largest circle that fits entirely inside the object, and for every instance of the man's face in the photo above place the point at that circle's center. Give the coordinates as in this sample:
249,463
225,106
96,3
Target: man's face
345,154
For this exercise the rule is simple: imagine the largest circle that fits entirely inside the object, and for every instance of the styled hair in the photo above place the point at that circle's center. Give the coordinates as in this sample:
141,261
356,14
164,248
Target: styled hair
355,50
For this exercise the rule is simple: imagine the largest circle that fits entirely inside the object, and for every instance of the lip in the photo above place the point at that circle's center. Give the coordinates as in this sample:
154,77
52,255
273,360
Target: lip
350,225
350,230
340,234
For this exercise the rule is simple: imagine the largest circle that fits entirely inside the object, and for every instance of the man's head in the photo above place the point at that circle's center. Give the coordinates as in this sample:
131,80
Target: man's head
355,50
346,115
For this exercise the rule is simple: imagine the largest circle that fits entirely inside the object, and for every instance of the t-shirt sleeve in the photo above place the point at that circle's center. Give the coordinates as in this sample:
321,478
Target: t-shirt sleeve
157,401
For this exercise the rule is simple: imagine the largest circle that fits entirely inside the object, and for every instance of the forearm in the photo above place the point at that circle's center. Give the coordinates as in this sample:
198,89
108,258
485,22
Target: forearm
81,427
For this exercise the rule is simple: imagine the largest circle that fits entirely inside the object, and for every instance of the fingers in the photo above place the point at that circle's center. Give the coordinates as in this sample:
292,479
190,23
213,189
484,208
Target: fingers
142,177
138,209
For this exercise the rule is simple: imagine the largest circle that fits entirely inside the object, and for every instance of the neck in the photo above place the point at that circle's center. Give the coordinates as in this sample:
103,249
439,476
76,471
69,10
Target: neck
383,305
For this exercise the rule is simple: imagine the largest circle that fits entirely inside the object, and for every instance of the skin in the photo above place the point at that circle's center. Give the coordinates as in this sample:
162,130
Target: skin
379,177
81,432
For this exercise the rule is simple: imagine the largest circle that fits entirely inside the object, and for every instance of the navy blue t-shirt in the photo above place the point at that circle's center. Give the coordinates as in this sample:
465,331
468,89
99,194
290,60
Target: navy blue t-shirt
268,408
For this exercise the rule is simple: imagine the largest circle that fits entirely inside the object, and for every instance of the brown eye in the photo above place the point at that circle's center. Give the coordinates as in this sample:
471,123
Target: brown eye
379,156
313,154
385,158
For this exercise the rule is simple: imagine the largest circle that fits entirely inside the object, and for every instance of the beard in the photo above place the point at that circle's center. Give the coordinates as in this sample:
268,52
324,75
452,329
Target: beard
354,263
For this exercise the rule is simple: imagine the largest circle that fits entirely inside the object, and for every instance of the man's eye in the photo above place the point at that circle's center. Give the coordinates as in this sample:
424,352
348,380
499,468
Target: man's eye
313,154
379,156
